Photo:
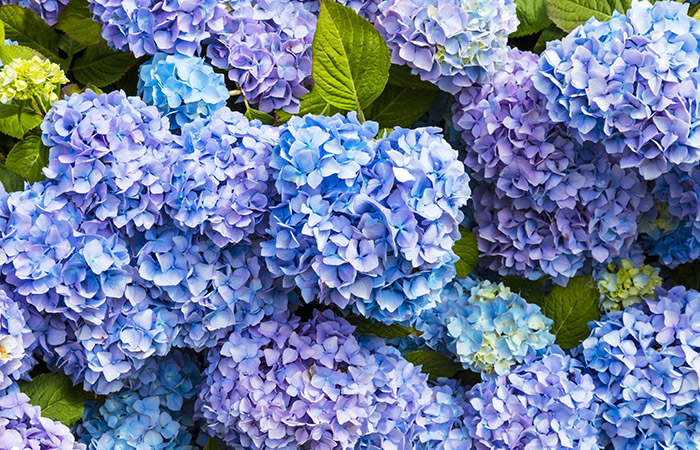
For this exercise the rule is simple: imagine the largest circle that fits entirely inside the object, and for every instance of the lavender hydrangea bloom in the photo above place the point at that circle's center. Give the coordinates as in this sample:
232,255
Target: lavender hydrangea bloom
49,10
366,8
16,342
365,224
182,87
110,155
645,365
266,45
328,389
453,43
221,183
146,27
23,427
545,403
631,84
153,413
445,428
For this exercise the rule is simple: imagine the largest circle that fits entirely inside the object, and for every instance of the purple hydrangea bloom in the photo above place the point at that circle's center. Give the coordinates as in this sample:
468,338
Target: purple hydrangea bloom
49,10
221,183
545,403
182,87
154,412
110,155
646,364
16,342
327,389
631,84
453,43
146,27
266,45
362,223
23,427
366,8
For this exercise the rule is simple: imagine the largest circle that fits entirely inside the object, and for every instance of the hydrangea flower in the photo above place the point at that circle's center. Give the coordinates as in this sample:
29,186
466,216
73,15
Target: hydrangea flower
627,284
366,8
153,413
110,155
546,403
16,342
49,10
36,78
327,389
365,224
445,428
453,43
645,364
266,46
23,427
221,182
146,27
631,84
183,88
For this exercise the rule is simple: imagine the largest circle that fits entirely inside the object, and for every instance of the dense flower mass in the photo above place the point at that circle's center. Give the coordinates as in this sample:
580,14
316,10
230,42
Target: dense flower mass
546,403
49,10
631,84
627,284
365,223
16,342
453,43
146,27
23,427
645,367
183,88
23,79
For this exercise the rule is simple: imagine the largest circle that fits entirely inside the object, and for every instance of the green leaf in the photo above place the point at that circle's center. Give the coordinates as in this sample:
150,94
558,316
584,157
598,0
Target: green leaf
2,32
401,76
435,364
400,106
10,180
253,114
101,66
27,158
8,53
367,326
70,46
571,308
76,21
530,290
687,275
532,15
568,14
311,103
552,33
351,60
211,445
58,398
468,251
27,28
15,121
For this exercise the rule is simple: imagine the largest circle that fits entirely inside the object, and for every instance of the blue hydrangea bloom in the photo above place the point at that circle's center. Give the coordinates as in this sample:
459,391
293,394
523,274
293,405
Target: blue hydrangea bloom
631,84
49,10
545,403
153,413
645,364
222,185
453,43
445,428
16,342
362,223
110,155
146,27
23,427
328,390
183,88
266,48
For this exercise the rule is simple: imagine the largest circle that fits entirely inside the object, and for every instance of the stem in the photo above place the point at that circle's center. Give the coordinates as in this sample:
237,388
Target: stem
39,106
234,93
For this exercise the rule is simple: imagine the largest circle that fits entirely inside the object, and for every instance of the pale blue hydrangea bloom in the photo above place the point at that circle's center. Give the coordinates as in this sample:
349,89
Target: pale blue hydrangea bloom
16,342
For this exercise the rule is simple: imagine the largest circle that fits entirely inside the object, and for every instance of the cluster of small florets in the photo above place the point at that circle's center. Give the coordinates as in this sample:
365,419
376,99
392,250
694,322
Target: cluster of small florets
365,223
49,10
644,364
16,342
36,78
627,284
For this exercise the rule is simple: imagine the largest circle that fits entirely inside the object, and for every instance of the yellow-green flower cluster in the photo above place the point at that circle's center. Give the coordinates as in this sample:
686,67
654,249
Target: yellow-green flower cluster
626,285
23,79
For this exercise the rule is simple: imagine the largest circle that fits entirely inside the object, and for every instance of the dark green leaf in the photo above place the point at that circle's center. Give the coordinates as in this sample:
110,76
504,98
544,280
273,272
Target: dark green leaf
687,275
253,114
10,180
311,103
400,106
435,364
76,21
351,60
401,76
568,14
70,46
532,15
58,398
211,445
16,121
28,158
468,251
367,326
571,308
530,290
101,66
552,33
27,28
